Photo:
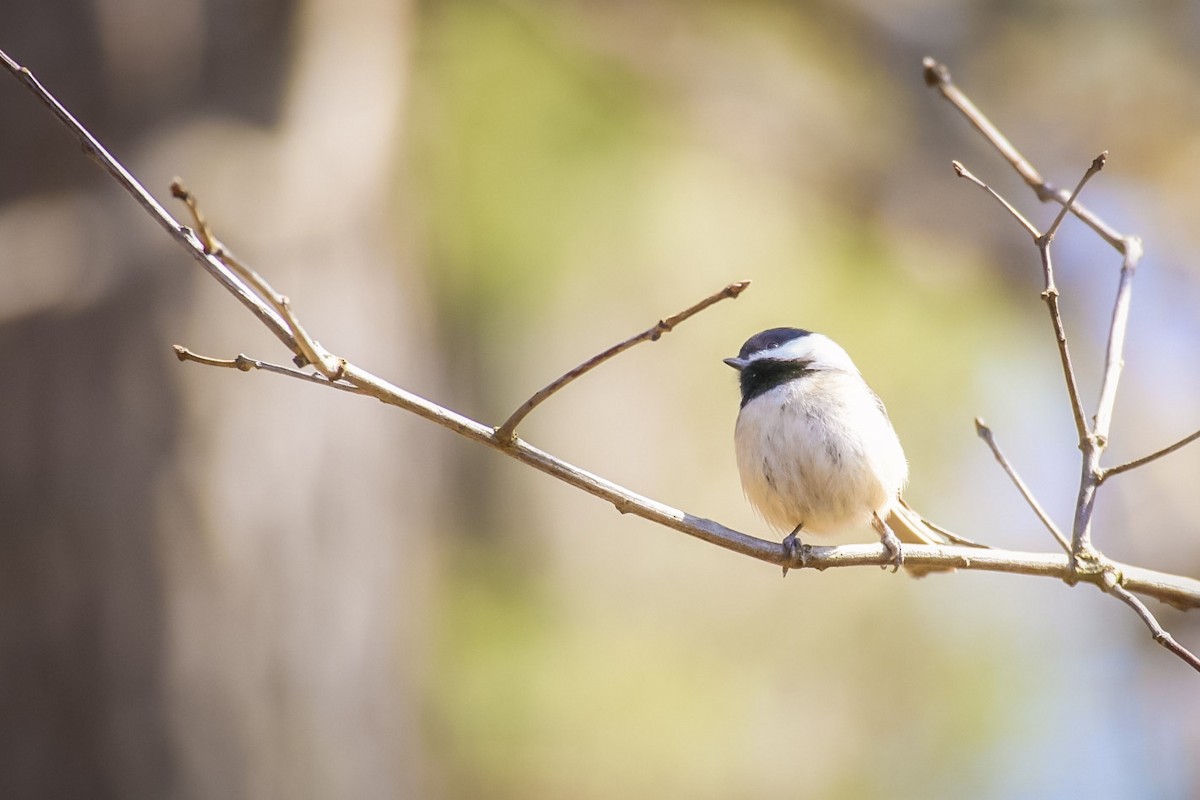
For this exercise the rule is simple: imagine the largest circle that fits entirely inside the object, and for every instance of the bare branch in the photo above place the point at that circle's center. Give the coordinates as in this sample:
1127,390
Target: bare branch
1085,562
963,172
985,433
245,364
1050,293
1114,361
178,232
507,432
310,352
1050,296
1178,591
937,75
1157,631
1157,454
1097,164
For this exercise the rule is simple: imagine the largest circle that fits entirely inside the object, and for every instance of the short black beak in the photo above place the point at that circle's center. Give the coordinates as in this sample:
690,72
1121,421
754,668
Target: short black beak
737,363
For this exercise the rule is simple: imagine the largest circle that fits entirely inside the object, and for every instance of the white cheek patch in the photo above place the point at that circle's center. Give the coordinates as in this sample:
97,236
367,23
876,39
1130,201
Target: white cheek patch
823,352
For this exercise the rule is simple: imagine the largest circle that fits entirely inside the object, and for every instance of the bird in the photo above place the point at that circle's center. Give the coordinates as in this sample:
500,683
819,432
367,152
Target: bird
815,448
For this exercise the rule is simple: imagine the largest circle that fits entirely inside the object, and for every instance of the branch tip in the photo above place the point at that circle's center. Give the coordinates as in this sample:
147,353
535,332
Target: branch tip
935,72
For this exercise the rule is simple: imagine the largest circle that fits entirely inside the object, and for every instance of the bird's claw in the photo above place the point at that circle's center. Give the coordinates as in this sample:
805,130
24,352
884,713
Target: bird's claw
795,550
892,545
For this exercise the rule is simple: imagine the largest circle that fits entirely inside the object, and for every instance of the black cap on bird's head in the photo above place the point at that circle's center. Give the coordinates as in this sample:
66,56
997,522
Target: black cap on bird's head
758,375
767,340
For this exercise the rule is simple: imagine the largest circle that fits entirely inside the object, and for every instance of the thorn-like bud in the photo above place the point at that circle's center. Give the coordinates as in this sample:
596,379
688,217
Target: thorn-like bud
936,73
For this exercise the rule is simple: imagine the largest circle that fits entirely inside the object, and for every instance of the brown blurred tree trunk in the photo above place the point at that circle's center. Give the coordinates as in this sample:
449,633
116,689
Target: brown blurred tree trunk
185,611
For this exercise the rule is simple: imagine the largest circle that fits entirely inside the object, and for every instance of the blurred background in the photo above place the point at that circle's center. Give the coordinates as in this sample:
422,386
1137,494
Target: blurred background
224,585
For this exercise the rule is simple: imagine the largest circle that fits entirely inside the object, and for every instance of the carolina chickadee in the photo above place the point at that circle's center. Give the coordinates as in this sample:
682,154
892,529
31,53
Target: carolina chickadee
815,448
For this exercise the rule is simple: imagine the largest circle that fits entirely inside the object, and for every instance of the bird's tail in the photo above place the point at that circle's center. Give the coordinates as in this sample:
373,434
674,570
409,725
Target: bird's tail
911,527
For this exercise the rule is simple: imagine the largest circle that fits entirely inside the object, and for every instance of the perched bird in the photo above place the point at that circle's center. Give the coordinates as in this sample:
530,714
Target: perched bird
815,448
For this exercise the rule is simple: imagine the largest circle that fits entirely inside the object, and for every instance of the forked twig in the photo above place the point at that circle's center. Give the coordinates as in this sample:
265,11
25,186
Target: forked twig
937,75
1085,560
1050,293
244,363
310,352
507,432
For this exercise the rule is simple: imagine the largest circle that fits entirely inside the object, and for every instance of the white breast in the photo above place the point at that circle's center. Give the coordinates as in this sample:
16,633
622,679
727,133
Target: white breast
819,452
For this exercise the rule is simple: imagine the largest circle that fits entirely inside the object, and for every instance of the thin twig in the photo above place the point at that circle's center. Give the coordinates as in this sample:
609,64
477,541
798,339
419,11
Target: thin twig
963,172
178,232
1157,631
1097,164
985,433
1084,556
1050,296
1157,454
1050,293
507,432
244,363
937,75
310,351
1114,361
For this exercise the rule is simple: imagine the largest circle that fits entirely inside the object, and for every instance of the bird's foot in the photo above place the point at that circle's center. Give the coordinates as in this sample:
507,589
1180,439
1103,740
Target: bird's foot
891,543
795,550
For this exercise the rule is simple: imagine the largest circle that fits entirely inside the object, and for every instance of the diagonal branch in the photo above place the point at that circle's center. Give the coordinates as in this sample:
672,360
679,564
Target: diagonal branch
937,75
985,433
507,432
310,352
178,232
1160,635
1050,293
1175,590
966,174
1086,562
1097,164
1114,360
1157,454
